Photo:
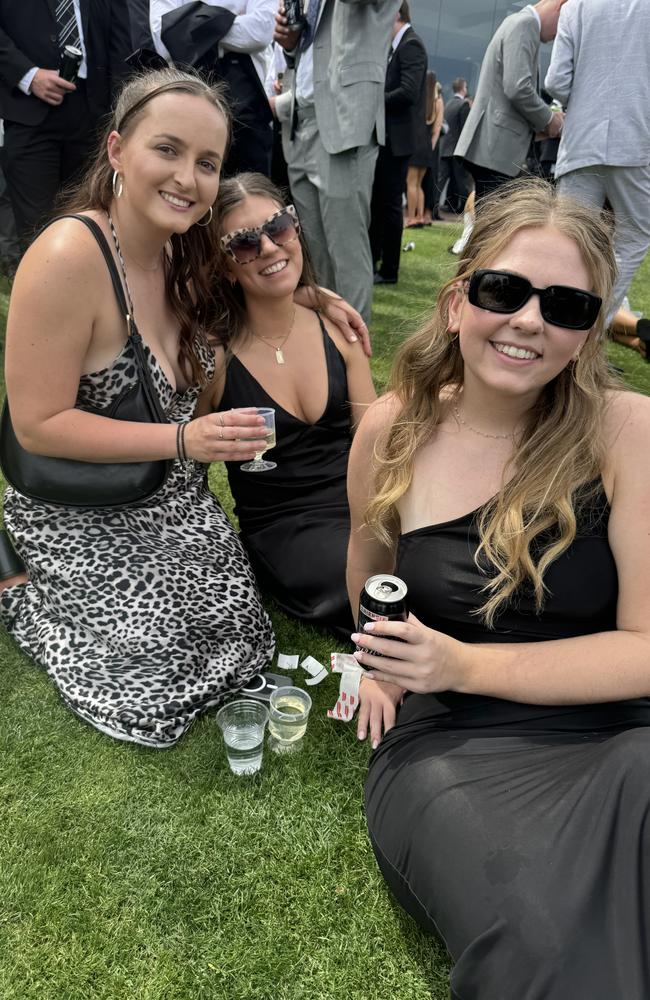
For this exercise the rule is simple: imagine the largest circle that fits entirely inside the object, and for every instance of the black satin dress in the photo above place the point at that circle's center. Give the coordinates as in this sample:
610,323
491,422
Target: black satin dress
294,519
520,834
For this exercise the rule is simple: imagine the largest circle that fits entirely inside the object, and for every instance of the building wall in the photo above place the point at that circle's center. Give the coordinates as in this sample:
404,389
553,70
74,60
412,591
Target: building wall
456,34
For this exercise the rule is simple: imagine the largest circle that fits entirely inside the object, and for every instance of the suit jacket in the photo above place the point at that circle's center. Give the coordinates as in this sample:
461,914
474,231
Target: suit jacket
351,42
456,112
607,116
29,37
507,108
405,94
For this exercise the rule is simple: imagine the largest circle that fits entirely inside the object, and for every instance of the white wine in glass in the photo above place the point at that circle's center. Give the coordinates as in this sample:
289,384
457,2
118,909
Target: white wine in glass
258,464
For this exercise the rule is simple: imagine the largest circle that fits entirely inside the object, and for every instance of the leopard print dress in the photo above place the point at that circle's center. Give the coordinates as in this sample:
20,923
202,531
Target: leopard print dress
145,616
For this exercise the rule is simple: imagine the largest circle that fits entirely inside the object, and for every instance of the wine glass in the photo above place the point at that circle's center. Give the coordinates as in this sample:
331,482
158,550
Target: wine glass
258,465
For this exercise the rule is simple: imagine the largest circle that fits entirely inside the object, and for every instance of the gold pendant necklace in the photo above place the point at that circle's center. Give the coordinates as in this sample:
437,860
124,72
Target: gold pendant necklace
279,356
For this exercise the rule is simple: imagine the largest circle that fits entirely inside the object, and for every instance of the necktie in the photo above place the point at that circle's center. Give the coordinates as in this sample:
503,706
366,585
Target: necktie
67,22
310,24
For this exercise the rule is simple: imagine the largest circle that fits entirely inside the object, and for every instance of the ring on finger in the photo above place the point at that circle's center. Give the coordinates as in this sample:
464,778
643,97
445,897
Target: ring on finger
221,424
221,433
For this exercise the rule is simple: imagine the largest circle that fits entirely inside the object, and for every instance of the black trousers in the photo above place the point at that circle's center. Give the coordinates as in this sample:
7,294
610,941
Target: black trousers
486,180
455,175
41,159
386,216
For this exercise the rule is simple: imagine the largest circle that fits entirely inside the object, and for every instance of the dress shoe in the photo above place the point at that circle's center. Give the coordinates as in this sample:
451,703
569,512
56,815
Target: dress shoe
378,279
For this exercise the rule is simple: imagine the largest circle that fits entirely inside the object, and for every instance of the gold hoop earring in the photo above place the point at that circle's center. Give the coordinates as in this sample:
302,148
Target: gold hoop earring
209,213
118,184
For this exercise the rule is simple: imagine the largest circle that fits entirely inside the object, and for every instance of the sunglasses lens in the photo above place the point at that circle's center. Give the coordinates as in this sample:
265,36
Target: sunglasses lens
245,247
281,229
500,292
570,308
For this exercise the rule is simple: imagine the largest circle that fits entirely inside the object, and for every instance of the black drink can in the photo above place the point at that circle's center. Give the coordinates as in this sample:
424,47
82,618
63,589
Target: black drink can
294,13
383,599
71,60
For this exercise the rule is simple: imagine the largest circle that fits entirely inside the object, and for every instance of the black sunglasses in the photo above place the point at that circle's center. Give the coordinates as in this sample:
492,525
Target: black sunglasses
245,245
561,305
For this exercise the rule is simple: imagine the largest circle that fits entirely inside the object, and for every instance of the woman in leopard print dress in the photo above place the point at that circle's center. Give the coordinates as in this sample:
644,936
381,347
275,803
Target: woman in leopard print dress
144,616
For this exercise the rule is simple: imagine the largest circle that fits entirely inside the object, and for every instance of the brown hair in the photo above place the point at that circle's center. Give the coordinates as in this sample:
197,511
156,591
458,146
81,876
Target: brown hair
561,449
191,256
430,85
230,305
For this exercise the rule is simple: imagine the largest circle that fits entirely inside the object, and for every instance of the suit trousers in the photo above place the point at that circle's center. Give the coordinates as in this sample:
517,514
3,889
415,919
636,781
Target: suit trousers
486,180
386,215
332,195
628,191
40,159
453,174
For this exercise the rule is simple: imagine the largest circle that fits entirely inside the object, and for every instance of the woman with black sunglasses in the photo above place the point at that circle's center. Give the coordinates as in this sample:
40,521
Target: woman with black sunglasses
504,479
294,518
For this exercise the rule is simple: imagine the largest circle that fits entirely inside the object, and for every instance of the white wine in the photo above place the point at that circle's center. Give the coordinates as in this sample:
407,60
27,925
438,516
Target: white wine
287,720
270,443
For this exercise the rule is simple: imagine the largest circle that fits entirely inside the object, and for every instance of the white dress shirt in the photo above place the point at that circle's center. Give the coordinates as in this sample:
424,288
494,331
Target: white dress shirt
25,83
251,31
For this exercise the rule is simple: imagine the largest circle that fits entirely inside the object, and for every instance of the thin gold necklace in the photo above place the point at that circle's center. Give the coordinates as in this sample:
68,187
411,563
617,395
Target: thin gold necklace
475,430
279,356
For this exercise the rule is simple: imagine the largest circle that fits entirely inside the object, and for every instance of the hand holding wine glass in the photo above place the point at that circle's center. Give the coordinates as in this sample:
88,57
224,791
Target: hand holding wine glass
258,464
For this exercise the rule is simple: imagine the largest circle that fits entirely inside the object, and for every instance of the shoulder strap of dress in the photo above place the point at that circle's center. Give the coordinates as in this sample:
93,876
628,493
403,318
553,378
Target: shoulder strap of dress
110,262
132,330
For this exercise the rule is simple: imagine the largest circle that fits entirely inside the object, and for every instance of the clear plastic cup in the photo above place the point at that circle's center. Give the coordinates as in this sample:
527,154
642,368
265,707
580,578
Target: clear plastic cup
288,713
242,723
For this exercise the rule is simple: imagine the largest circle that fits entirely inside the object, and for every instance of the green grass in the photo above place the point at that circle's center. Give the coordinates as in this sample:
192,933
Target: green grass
130,874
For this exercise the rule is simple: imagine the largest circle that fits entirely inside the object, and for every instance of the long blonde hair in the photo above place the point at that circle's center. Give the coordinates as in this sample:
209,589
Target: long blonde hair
560,450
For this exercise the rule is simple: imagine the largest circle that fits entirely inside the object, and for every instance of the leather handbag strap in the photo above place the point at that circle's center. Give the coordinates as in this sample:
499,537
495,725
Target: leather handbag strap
132,330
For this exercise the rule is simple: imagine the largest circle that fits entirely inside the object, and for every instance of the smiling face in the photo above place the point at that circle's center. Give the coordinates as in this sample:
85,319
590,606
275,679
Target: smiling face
276,272
171,161
518,354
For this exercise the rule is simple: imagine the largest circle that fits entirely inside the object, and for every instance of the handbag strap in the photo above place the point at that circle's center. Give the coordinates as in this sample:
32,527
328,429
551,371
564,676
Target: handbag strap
132,330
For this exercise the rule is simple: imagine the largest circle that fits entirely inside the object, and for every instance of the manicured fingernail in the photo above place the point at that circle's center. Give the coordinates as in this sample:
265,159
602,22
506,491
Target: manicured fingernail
358,653
370,675
361,735
375,744
353,338
355,637
368,627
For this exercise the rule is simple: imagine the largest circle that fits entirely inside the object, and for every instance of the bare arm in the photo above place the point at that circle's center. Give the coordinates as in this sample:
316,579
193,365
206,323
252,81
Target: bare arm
59,303
338,311
366,554
607,666
361,389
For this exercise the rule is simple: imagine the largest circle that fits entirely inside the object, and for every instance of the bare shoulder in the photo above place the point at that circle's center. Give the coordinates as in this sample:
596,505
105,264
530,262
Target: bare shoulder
379,416
65,253
627,420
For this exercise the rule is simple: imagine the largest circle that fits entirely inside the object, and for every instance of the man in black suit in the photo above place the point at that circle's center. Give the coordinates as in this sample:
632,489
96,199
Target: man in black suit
452,172
50,124
405,99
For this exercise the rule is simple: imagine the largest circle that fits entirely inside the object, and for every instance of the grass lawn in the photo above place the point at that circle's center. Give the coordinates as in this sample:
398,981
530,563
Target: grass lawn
131,874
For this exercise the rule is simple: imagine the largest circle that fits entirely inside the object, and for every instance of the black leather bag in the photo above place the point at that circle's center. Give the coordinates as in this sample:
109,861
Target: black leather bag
65,481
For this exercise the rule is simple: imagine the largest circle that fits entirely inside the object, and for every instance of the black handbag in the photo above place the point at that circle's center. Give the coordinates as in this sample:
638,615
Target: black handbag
72,483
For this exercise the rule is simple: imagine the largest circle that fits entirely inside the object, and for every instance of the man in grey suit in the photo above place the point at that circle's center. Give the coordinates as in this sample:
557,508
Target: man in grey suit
332,114
508,109
605,148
